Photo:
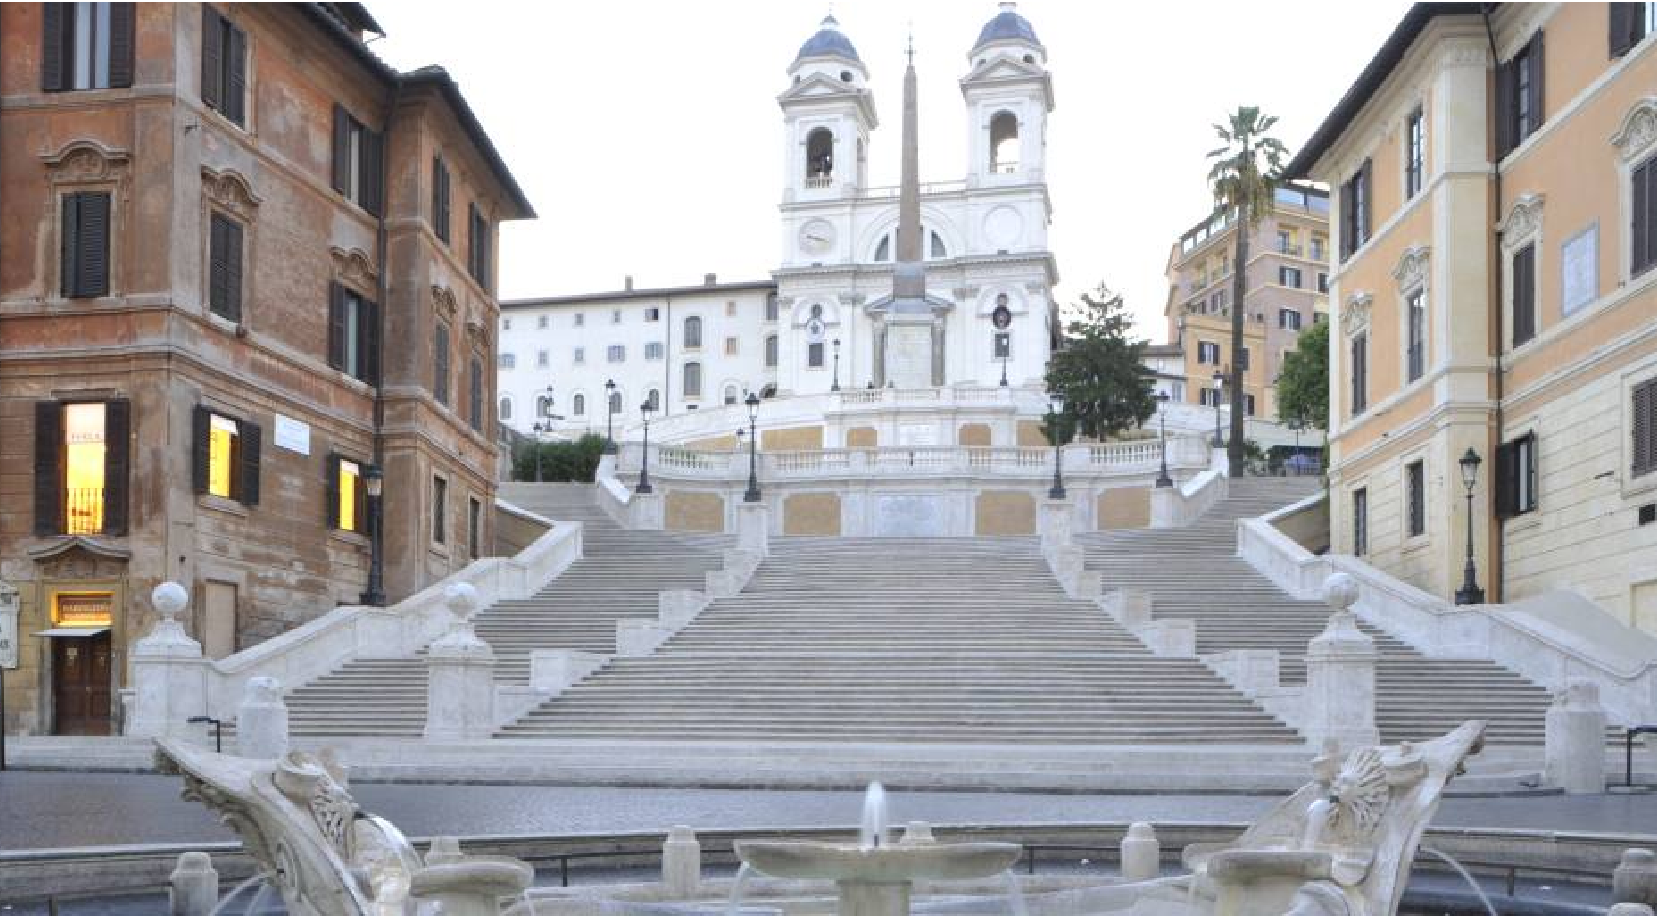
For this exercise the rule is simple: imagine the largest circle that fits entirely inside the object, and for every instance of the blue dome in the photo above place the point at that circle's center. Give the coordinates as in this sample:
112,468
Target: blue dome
1007,25
829,41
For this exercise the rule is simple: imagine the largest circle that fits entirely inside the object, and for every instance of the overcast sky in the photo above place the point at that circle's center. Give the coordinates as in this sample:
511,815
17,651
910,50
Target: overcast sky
647,134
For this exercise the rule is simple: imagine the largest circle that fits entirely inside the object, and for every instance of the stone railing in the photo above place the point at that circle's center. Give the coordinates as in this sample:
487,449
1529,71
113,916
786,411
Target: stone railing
172,683
1179,506
1523,636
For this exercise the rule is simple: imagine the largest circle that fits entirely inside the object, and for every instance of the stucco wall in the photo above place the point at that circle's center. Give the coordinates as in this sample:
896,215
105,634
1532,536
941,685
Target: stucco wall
811,514
788,439
1005,512
973,434
694,511
862,438
1124,508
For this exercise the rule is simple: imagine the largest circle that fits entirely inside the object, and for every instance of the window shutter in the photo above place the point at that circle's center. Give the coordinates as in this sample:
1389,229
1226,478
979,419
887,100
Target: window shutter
440,198
332,503
342,149
472,239
475,411
122,29
69,234
1640,218
235,77
1538,81
1533,456
369,335
247,479
372,193
218,274
117,465
1507,480
56,19
336,325
212,58
1366,176
1623,19
1645,207
233,270
440,364
201,427
1524,294
92,245
1347,221
1507,107
48,465
1645,426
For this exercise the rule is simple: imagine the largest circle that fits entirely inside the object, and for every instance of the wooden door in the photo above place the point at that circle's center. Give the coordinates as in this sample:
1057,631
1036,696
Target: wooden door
80,685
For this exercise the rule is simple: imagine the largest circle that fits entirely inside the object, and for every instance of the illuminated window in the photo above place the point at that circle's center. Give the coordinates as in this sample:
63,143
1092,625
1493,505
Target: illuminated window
83,609
350,487
226,460
84,453
221,455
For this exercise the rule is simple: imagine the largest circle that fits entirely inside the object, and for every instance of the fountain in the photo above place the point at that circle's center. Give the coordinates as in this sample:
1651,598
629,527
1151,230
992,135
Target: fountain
872,876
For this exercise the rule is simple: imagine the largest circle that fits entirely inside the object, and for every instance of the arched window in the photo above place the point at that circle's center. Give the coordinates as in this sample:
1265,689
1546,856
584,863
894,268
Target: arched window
506,409
1004,142
771,351
578,406
543,406
693,380
883,251
615,403
654,399
938,249
693,331
730,394
819,158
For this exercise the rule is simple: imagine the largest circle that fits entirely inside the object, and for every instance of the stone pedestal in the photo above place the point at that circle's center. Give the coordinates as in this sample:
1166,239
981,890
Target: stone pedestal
194,885
169,673
1057,524
460,695
262,719
753,528
647,512
1340,675
1141,853
1167,505
1635,878
681,863
1575,743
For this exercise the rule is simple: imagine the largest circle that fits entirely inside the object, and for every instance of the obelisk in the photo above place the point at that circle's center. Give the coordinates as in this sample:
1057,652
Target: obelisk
912,346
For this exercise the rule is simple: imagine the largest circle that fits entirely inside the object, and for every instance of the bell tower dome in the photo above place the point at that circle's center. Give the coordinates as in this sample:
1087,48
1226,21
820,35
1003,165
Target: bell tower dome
1009,95
828,113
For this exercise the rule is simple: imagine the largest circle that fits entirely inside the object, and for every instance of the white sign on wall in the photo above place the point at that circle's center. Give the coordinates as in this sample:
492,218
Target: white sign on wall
10,605
1579,270
292,435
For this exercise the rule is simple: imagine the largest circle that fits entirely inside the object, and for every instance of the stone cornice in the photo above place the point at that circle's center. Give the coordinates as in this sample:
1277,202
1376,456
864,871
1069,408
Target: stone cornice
1411,271
1523,219
1638,129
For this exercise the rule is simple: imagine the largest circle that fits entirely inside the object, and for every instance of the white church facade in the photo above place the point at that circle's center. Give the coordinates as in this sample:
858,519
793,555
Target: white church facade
827,315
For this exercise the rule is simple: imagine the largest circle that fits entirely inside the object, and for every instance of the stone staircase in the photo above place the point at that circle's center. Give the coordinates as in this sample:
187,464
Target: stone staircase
619,575
888,640
1195,573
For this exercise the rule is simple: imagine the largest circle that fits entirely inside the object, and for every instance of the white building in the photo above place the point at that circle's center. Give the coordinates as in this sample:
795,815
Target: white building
988,272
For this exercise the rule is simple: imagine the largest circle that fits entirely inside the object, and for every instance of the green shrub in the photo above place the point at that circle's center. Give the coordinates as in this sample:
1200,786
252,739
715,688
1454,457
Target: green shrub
571,460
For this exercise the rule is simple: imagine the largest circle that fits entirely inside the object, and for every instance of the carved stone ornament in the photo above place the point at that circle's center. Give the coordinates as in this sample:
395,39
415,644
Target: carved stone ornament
1638,129
444,300
86,161
231,190
1411,271
1523,220
1355,315
354,268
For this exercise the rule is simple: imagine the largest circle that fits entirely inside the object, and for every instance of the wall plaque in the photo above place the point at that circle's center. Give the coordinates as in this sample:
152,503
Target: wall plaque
292,435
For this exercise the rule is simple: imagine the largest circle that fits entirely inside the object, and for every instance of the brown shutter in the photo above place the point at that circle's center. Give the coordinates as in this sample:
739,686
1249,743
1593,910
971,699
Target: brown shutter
233,270
122,29
1347,221
372,169
247,479
1507,108
69,233
336,325
1538,81
1640,217
1505,483
368,334
440,364
475,409
342,149
1366,175
1625,23
48,466
472,239
1524,294
57,21
117,465
92,245
1645,427
201,434
235,77
218,275
212,58
331,505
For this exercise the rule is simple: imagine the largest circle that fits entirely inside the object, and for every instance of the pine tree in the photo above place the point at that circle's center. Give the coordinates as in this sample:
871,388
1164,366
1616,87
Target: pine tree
1100,372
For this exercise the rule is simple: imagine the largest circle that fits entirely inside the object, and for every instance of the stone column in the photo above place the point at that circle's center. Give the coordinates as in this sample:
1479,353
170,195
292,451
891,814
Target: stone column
460,694
681,863
262,719
1575,739
1340,675
169,674
194,885
1141,853
753,531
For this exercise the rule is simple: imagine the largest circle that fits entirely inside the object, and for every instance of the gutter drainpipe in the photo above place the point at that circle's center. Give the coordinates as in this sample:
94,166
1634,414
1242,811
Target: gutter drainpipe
1498,546
375,593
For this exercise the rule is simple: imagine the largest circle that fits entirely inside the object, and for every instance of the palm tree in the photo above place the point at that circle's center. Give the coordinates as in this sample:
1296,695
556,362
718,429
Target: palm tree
1243,177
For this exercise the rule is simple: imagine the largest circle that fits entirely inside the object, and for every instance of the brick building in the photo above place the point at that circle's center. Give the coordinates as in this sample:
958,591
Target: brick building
244,264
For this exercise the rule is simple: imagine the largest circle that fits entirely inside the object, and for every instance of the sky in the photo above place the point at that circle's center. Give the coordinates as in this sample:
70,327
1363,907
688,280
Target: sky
648,137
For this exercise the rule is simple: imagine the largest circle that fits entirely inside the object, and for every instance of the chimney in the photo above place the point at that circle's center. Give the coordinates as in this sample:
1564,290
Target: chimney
629,283
709,280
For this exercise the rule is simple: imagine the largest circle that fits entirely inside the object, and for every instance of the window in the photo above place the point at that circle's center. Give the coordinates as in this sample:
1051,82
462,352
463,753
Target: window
814,355
1415,499
354,335
1002,346
1630,23
440,502
440,364
226,456
1524,294
1288,319
507,361
1360,372
1004,142
1243,358
617,353
357,161
1248,405
1360,521
730,394
440,204
543,405
478,257
692,387
81,452
819,158
1286,242
86,46
938,249
654,399
474,526
506,324
1318,245
347,495
224,256
580,319
730,347
1516,477
652,314
653,350
579,405
580,355
1288,277
543,359
223,66
542,321
1208,397
1415,350
883,251
1323,282
1644,422
1208,352
1415,149
1519,96
615,316
770,307
1355,215
84,245
505,408
770,351
693,331
615,403
730,307
474,401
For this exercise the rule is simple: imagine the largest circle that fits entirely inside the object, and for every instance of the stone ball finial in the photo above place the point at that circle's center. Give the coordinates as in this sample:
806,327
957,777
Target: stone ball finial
1340,591
462,599
169,599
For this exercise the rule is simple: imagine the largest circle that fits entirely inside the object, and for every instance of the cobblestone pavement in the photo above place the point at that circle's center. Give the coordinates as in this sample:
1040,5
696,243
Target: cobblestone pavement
49,809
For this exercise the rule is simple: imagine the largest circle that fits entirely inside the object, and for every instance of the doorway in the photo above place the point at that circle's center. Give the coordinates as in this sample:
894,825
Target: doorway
80,685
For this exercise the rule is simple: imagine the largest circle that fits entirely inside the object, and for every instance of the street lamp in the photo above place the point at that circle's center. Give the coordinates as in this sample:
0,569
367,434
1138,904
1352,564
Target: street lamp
836,386
609,417
752,494
644,455
1005,353
538,427
1055,407
374,489
1162,478
1219,395
1469,593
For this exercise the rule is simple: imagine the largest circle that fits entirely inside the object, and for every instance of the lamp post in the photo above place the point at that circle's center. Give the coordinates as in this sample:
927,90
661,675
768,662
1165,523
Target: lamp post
1004,355
374,490
1219,394
538,427
752,495
1469,593
644,455
609,417
1162,478
836,386
1055,406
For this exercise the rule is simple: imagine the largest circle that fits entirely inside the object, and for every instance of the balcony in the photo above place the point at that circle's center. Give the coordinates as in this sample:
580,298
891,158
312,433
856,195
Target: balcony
84,510
1004,168
820,181
1293,251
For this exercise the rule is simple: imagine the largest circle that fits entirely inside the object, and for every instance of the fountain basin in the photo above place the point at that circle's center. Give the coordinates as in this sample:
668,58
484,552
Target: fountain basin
887,864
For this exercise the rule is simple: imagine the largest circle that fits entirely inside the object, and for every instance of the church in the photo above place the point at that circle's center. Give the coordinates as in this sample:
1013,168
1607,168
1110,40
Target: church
921,285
